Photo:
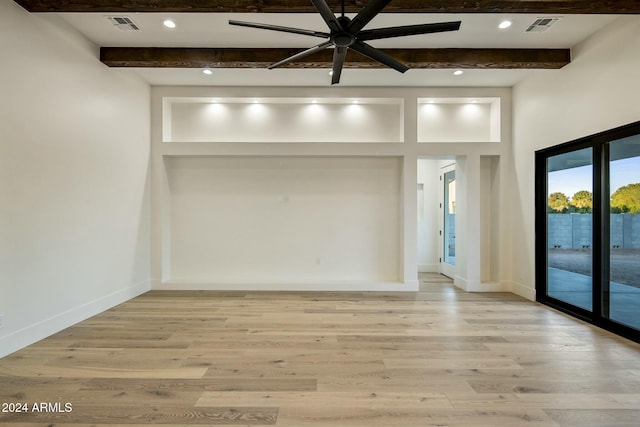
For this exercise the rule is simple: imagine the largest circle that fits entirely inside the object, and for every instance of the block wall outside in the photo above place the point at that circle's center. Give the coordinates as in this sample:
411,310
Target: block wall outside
574,231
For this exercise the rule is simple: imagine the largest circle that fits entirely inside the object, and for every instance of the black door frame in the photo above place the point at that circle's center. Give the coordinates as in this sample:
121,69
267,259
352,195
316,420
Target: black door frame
601,227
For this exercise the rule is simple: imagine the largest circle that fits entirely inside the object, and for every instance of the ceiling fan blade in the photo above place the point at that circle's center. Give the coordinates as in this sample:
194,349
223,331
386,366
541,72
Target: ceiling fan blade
367,14
279,28
302,54
378,55
328,16
338,61
408,30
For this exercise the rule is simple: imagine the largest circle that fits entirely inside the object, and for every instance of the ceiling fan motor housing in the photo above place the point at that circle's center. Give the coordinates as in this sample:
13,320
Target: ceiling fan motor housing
343,39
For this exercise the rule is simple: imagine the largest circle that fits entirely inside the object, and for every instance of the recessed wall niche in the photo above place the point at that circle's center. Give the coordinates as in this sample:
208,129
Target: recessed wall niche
270,120
459,119
251,220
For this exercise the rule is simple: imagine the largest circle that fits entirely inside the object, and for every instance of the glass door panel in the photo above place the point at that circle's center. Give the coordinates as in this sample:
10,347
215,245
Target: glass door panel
621,292
449,231
570,228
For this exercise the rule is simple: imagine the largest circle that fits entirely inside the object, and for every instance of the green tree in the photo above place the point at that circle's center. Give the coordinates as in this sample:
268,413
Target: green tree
558,202
582,201
627,198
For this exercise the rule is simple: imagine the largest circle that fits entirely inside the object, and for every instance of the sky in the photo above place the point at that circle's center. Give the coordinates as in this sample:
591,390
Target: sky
570,181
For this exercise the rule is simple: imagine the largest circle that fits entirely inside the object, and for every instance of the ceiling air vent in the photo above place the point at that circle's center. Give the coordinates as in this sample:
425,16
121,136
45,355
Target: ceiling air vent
540,25
123,23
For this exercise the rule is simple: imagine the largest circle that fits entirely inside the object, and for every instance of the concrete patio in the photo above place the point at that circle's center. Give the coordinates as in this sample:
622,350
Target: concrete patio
576,288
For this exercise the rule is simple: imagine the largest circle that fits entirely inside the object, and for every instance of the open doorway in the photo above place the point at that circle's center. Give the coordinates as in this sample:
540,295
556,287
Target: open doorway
436,216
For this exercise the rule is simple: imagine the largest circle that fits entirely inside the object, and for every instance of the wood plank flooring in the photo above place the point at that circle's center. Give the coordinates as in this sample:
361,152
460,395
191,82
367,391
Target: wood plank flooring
436,358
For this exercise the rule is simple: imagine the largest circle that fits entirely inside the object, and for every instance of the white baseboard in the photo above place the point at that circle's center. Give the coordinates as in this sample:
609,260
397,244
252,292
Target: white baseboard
464,284
428,268
26,336
412,285
490,287
346,286
523,290
477,286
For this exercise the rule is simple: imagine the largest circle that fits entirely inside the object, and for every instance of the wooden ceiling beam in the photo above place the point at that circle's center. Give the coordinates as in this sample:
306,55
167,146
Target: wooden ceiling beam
260,58
305,6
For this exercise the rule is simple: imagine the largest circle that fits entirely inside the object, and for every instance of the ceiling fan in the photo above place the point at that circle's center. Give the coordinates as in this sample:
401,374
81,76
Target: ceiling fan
345,33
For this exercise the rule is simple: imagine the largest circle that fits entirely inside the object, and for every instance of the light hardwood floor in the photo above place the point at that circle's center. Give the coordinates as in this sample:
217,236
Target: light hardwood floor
439,357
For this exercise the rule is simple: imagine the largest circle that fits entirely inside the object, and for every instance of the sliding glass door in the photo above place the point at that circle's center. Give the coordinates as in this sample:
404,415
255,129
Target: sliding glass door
570,227
621,290
588,229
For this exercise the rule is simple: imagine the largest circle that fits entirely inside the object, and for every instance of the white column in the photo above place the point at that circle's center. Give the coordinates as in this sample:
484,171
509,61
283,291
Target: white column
160,196
409,203
468,226
410,221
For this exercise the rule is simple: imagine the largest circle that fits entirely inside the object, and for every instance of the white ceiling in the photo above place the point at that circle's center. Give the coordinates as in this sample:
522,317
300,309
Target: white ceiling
213,30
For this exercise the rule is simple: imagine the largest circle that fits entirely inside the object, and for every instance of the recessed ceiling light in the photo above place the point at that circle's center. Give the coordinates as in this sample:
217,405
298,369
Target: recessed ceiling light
207,71
474,101
331,73
504,24
458,72
169,23
355,101
314,101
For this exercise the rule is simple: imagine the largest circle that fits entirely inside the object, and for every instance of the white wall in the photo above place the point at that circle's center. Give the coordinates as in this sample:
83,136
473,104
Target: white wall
284,220
428,214
599,90
74,205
